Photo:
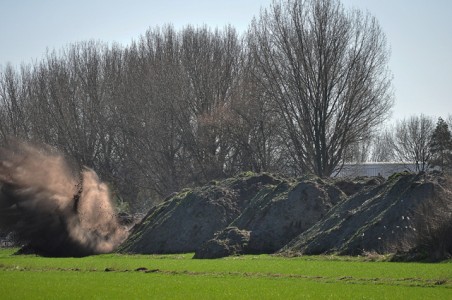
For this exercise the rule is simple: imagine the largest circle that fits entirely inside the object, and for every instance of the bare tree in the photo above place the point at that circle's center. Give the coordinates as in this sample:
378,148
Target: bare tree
12,102
145,109
256,127
211,64
412,139
326,71
358,152
383,146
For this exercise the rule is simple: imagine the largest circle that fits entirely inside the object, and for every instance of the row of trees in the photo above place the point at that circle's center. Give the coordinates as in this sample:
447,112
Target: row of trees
299,92
415,140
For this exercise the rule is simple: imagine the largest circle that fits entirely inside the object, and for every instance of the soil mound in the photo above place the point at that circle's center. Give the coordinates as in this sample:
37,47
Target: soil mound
230,241
402,214
261,213
277,215
264,211
188,219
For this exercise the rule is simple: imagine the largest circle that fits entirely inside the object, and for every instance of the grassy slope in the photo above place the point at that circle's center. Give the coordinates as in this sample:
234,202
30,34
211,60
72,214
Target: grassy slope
179,276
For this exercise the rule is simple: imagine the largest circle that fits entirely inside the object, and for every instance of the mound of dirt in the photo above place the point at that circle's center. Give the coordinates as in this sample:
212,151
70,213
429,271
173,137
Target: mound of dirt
265,212
277,215
397,216
230,241
261,213
190,218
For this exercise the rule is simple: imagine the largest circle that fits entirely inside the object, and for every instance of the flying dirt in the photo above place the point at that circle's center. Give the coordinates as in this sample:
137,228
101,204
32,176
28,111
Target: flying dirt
57,208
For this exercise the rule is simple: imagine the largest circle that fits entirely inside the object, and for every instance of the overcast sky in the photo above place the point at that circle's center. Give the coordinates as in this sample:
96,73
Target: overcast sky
419,33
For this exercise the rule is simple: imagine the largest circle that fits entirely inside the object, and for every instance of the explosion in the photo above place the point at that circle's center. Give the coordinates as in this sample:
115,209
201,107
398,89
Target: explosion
57,208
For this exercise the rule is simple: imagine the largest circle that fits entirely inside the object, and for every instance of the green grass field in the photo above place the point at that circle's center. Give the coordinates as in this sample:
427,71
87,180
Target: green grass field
115,276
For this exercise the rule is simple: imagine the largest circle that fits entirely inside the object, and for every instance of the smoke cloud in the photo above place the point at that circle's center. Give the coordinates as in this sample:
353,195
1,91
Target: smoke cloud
59,209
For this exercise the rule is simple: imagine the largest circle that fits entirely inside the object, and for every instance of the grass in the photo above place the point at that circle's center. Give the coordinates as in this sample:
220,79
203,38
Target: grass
179,276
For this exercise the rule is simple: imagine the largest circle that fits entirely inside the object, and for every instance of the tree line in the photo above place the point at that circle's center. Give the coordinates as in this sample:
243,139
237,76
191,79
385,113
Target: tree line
302,91
416,140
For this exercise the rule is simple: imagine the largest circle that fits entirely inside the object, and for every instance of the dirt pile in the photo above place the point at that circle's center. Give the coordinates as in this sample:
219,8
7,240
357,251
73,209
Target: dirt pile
230,241
278,214
266,211
402,214
188,219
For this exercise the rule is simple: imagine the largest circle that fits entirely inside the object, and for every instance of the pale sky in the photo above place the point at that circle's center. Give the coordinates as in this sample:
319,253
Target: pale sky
419,33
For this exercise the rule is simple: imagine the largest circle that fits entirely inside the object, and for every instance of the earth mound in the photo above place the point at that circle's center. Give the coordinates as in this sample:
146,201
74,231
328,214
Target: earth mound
230,241
188,219
262,213
406,212
278,214
265,211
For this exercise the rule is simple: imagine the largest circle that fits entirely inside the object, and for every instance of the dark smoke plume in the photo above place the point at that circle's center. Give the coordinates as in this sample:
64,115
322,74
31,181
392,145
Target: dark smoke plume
57,208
